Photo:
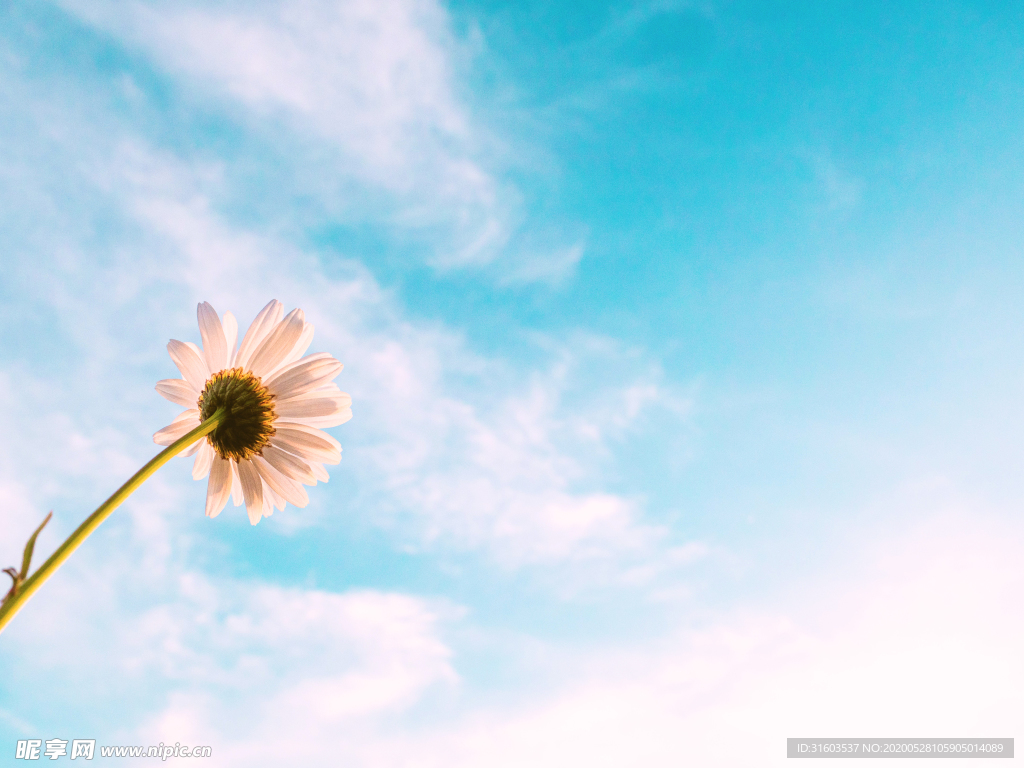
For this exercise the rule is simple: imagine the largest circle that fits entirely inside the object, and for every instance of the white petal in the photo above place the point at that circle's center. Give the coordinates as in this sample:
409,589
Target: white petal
231,336
271,496
290,365
288,489
345,414
320,473
265,321
204,458
308,411
177,429
299,427
329,390
304,376
288,465
192,448
270,500
325,422
302,344
178,391
297,351
278,344
252,489
219,487
317,409
191,413
299,408
191,365
236,484
215,345
306,446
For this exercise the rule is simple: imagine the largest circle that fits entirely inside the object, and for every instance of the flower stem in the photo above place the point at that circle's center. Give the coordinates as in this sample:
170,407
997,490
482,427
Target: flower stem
14,603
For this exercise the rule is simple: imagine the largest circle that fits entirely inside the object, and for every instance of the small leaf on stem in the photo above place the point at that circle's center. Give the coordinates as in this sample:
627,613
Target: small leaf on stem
26,561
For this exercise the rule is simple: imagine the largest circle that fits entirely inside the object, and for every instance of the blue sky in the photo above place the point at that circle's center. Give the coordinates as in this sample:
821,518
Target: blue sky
684,354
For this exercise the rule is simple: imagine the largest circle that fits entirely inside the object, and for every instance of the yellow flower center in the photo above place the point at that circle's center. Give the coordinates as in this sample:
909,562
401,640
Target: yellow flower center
249,423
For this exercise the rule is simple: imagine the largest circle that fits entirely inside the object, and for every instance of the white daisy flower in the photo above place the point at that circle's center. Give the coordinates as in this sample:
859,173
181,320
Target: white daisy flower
269,444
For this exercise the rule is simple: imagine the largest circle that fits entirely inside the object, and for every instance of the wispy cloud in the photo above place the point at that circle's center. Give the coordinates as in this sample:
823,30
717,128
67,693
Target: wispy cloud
496,472
466,451
842,190
553,267
921,615
376,81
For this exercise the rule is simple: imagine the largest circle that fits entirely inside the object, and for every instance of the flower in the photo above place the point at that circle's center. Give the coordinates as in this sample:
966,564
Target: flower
269,444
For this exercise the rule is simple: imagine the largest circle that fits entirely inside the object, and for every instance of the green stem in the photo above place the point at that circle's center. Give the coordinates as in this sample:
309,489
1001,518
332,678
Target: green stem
47,569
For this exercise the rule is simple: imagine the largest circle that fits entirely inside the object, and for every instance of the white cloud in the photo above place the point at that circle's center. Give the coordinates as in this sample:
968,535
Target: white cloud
466,452
131,617
510,472
135,616
228,662
471,453
274,675
841,190
497,471
323,657
374,80
553,267
914,640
